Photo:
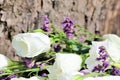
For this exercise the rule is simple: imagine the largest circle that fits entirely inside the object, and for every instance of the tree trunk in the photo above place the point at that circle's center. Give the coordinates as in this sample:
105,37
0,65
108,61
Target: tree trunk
17,16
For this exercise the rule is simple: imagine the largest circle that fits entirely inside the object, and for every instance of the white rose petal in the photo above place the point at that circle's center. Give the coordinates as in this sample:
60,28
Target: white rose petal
64,64
68,62
22,78
4,61
94,50
113,47
30,44
54,72
68,76
104,78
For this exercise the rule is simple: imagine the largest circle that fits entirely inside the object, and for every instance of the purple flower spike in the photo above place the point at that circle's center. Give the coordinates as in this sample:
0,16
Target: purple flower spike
56,47
104,58
84,72
29,62
82,39
42,66
105,64
12,76
101,68
69,27
46,24
115,71
1,72
44,74
67,22
103,54
8,77
97,68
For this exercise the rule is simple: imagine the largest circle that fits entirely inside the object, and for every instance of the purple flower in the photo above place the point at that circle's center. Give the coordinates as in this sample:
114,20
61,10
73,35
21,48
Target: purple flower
82,39
97,68
103,54
115,71
56,47
103,57
8,77
45,26
104,66
1,72
67,22
12,76
84,72
42,66
44,74
29,62
101,68
69,27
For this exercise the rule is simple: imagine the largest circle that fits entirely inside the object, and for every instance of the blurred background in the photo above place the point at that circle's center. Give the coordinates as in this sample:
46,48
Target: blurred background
19,16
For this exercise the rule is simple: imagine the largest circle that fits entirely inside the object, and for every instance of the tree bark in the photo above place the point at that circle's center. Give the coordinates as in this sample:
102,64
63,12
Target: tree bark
18,16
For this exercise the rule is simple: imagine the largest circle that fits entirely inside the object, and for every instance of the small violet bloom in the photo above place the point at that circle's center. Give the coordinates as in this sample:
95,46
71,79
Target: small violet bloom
44,74
8,77
45,26
69,27
12,76
43,65
102,57
115,71
99,59
29,63
56,47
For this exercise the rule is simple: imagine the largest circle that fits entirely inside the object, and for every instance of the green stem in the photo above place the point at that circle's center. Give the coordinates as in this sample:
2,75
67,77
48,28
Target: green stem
22,71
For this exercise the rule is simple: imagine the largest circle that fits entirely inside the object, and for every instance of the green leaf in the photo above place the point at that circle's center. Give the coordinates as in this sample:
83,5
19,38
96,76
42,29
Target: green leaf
75,48
78,77
116,65
37,30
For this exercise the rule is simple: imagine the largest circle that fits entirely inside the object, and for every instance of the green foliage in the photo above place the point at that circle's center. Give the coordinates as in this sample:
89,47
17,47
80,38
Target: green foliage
116,65
67,46
82,77
78,77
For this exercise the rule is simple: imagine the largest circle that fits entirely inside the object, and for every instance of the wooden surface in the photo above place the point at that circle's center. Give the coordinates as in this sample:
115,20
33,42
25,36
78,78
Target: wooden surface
16,16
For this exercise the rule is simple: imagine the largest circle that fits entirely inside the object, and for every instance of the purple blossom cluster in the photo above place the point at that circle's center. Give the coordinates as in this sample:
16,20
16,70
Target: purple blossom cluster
102,54
115,71
56,47
45,26
69,27
29,63
8,77
103,57
101,68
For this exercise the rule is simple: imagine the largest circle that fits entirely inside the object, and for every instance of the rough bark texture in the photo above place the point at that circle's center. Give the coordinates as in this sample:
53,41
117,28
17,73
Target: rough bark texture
16,16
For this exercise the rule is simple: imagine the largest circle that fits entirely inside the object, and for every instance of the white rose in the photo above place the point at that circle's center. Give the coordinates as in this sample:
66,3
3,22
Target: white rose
68,62
22,78
64,63
94,54
68,76
113,46
30,44
103,78
4,61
